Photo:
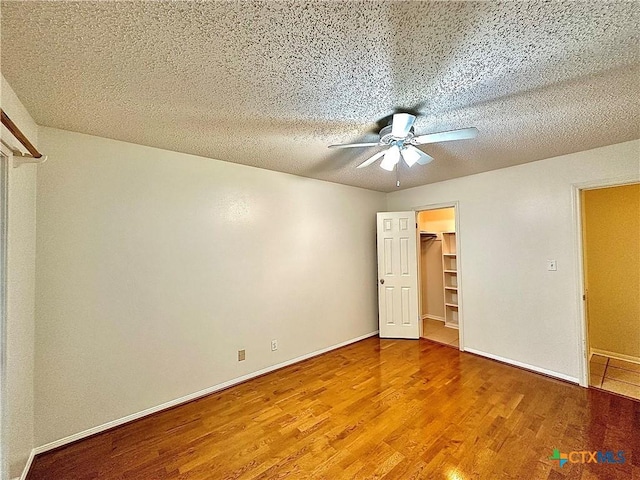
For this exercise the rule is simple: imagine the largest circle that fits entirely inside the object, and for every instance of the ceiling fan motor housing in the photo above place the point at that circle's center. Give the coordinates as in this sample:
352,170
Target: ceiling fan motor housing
386,138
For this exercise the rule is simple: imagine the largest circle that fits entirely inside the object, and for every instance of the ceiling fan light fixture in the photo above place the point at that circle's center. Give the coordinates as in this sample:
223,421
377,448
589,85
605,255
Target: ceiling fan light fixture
391,158
421,158
410,155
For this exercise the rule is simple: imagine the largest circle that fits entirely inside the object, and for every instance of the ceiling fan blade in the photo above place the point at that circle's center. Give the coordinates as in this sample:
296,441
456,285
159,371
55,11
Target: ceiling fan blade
391,158
401,124
462,134
366,163
354,145
412,155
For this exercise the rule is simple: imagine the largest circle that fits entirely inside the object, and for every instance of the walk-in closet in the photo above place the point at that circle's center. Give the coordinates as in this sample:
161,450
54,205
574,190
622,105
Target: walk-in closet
439,290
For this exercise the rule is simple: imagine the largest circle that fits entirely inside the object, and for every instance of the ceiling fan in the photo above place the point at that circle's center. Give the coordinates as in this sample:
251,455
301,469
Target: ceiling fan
401,140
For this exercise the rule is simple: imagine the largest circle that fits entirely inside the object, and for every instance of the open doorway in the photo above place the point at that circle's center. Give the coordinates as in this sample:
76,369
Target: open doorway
611,264
438,278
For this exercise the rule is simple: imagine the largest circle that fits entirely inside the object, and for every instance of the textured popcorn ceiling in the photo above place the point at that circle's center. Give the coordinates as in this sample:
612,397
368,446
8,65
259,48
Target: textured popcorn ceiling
272,83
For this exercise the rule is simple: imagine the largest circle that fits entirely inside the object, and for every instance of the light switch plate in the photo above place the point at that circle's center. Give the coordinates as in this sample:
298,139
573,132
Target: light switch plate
552,266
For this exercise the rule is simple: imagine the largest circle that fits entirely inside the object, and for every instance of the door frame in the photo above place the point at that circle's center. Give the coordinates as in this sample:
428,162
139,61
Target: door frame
581,319
5,162
456,208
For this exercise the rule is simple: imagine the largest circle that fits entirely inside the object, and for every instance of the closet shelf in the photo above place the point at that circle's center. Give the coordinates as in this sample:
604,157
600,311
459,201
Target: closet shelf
450,278
424,236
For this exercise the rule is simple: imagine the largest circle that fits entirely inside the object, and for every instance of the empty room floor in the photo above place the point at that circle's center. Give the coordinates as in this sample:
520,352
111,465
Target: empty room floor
436,331
615,375
392,409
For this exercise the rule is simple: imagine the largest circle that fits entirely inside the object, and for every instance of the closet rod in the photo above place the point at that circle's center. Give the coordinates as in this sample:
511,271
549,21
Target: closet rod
428,236
15,131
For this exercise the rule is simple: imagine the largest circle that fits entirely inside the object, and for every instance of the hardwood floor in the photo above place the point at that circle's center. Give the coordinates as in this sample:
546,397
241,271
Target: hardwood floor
375,409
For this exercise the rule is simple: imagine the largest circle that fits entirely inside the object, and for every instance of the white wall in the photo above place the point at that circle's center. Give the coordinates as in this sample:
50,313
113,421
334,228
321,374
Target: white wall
511,222
155,267
20,292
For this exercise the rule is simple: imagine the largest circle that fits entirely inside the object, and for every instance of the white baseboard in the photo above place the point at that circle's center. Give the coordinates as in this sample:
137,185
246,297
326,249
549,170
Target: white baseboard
526,366
617,356
187,398
27,466
433,317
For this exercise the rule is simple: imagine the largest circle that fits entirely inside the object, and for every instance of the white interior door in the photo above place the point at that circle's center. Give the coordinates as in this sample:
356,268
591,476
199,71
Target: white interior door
398,275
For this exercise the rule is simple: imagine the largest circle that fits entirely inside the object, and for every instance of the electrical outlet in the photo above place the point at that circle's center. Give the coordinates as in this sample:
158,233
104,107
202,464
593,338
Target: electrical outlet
274,345
241,355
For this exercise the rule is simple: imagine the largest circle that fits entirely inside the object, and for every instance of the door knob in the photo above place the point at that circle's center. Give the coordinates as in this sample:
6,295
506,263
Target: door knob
382,281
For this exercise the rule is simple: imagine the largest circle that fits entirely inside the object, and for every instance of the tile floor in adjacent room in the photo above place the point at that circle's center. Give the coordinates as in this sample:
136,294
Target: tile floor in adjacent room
436,331
615,376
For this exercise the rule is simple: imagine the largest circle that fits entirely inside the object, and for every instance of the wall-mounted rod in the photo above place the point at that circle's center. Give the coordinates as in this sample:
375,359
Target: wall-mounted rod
15,131
20,158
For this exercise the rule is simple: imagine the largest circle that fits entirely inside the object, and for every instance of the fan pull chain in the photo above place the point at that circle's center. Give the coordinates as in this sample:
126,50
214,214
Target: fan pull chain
398,174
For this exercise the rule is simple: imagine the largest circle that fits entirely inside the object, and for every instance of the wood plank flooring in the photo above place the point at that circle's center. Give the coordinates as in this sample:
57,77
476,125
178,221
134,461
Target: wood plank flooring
375,409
